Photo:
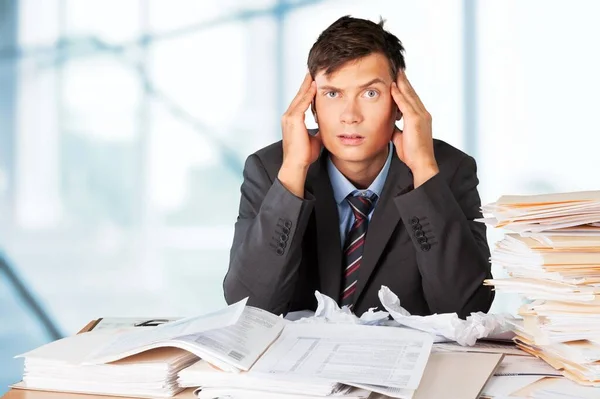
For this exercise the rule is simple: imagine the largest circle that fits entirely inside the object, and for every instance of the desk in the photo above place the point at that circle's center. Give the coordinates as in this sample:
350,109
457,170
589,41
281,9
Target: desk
25,394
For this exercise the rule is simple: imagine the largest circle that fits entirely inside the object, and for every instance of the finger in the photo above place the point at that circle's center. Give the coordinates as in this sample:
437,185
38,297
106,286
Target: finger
405,106
407,89
304,101
409,92
304,87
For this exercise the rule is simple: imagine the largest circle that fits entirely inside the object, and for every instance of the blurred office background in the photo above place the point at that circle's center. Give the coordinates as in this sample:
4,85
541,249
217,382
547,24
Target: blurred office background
124,125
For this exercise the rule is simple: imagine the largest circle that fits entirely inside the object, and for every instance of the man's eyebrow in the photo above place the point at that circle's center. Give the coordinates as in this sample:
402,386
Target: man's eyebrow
369,83
372,82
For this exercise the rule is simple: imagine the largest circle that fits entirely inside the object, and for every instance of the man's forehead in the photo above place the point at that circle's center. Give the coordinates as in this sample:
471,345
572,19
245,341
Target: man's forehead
348,81
356,73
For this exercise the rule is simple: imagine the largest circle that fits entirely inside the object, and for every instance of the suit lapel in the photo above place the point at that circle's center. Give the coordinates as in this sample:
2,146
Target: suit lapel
329,252
384,220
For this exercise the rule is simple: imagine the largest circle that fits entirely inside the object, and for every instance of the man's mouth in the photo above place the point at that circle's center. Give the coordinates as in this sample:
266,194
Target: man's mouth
350,136
349,139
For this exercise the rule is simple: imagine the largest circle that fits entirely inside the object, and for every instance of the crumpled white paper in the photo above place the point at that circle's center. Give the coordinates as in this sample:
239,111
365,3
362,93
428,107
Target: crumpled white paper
449,325
328,311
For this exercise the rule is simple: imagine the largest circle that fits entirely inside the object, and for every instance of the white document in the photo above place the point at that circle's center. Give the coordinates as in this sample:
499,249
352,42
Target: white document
525,366
137,341
503,386
383,356
481,347
232,339
239,345
71,350
202,374
565,389
236,393
550,199
399,393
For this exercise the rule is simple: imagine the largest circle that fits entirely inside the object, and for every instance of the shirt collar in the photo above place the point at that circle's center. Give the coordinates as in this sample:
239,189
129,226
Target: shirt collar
342,187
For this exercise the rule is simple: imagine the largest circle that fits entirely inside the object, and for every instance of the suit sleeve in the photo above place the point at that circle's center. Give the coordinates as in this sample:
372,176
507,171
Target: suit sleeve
452,250
267,244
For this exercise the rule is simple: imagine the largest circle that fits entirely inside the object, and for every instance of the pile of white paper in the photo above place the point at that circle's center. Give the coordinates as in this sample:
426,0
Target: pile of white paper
316,360
258,354
554,264
58,367
145,362
212,382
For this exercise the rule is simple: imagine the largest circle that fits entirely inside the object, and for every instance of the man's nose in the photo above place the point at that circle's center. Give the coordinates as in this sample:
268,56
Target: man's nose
351,113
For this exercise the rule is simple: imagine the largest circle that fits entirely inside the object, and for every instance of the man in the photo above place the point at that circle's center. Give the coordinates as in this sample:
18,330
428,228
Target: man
359,204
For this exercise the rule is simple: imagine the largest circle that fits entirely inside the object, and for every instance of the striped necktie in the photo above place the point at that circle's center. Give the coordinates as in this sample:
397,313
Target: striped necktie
353,248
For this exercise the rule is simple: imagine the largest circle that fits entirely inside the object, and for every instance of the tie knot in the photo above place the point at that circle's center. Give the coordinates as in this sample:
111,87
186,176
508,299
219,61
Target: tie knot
361,206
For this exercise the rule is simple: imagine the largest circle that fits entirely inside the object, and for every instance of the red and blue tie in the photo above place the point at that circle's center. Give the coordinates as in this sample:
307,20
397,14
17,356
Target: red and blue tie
353,248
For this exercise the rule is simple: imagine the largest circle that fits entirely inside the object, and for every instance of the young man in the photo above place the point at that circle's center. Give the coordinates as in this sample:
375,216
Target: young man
359,204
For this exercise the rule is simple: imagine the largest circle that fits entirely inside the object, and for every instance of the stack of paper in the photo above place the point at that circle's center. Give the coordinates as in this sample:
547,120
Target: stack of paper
57,367
145,362
282,358
443,377
575,213
380,359
213,382
553,261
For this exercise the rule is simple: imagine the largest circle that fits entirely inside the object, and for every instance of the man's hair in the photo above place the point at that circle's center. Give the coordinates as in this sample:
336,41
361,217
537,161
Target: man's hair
349,39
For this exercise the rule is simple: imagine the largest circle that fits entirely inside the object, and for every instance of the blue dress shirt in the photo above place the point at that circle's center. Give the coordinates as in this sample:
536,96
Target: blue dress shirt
342,188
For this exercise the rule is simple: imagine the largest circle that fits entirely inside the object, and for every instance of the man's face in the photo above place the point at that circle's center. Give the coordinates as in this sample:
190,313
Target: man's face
355,109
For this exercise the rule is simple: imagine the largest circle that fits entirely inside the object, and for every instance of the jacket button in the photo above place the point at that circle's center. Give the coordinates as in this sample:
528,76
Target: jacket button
417,226
422,240
283,237
419,233
287,224
279,251
281,244
426,247
414,220
285,230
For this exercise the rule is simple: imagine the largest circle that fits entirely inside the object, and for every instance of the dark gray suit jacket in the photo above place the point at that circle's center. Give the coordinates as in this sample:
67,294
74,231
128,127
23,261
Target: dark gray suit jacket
422,243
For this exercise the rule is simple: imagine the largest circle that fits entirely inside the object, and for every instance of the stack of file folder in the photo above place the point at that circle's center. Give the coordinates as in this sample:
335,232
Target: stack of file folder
552,257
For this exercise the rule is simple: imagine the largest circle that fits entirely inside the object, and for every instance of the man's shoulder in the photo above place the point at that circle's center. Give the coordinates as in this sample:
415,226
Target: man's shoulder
270,152
448,156
271,157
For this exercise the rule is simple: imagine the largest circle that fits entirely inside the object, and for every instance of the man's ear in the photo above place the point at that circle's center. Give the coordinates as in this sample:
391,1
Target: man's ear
398,114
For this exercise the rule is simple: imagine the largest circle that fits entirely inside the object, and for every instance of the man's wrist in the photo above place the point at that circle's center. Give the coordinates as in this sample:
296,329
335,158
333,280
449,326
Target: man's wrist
423,172
293,177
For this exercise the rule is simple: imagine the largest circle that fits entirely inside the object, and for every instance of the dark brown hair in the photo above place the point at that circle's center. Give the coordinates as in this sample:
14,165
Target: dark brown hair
349,39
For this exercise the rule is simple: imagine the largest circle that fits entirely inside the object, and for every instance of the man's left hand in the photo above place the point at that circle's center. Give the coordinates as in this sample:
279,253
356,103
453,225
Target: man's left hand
414,144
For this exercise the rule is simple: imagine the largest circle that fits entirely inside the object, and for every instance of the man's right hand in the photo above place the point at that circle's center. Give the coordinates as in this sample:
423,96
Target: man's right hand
300,149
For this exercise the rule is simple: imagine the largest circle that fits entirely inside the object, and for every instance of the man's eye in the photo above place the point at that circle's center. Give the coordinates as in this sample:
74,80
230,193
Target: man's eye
331,94
371,93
